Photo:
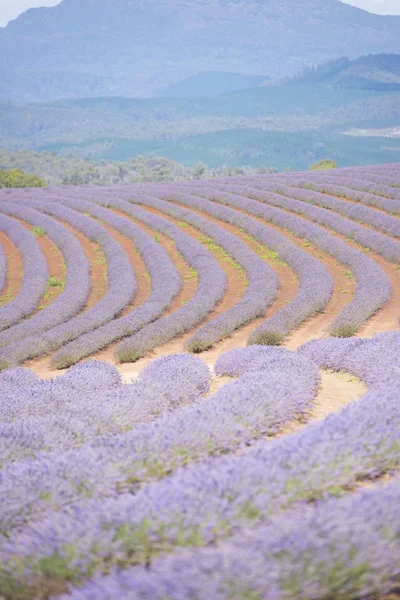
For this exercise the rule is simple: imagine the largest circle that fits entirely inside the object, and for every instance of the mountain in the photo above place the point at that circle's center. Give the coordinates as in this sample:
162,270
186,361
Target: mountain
277,107
135,47
374,72
211,83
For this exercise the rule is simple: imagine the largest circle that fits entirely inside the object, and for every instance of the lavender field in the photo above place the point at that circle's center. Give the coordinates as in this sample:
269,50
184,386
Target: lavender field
200,389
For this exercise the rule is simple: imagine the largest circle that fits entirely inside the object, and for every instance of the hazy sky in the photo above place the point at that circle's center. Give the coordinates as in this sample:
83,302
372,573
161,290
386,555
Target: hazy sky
10,9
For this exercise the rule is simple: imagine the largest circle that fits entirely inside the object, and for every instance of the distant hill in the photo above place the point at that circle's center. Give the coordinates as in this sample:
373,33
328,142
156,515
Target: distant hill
87,122
129,48
211,83
374,72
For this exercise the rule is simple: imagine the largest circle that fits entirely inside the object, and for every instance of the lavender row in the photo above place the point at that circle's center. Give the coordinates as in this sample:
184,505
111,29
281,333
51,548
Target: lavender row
91,403
3,268
121,281
373,240
373,287
377,195
361,214
204,503
77,284
165,285
212,285
262,280
183,378
386,176
348,548
310,298
256,405
35,274
375,360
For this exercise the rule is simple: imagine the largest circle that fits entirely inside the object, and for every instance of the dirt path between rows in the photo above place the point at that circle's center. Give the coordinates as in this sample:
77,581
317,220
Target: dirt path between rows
15,270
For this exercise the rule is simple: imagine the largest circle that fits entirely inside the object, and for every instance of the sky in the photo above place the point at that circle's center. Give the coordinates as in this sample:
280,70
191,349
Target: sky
10,9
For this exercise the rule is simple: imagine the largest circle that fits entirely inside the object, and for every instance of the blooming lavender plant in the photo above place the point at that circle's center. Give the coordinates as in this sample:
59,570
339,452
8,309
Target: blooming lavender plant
346,548
262,280
373,287
3,268
375,360
239,361
77,285
207,502
34,277
309,299
185,374
229,419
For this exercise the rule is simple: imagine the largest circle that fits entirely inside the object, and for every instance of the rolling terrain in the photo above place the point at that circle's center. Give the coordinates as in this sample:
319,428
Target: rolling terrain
211,370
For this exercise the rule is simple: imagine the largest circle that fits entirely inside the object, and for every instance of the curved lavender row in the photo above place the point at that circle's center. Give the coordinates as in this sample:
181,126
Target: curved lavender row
310,298
375,360
361,214
262,280
390,178
379,195
165,285
239,361
212,285
121,279
24,395
61,415
35,275
3,268
348,548
373,287
77,284
210,290
207,502
373,240
231,418
189,375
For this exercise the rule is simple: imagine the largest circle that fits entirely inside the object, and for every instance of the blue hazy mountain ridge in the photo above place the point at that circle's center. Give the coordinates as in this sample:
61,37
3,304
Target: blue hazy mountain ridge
375,72
211,83
123,48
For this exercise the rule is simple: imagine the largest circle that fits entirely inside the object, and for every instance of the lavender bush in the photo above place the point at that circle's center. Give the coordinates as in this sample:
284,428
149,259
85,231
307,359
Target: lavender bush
179,374
203,503
34,277
229,419
74,295
3,268
341,549
262,280
373,287
310,299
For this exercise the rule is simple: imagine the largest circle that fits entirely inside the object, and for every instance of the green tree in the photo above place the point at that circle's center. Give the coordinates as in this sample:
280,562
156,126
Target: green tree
323,164
15,178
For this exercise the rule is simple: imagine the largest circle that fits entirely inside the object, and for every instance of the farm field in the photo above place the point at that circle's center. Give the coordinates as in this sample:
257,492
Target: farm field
200,389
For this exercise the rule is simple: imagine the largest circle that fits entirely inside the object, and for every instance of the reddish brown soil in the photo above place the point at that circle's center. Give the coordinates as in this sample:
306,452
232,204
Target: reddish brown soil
15,270
387,318
235,289
57,271
55,266
344,286
189,287
98,269
142,277
236,286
